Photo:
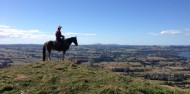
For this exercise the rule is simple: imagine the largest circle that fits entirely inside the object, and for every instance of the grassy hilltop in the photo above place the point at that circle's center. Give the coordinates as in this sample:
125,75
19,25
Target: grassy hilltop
57,77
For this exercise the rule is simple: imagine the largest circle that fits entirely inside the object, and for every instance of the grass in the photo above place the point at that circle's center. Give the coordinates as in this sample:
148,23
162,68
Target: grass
58,77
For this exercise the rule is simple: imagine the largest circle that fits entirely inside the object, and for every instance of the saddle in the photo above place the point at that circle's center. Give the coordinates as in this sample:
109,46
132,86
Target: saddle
60,44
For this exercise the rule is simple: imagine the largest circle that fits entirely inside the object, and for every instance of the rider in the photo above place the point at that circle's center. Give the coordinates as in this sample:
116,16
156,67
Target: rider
59,36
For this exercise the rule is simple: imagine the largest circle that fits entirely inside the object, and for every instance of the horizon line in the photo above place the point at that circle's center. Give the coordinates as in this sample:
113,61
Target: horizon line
103,44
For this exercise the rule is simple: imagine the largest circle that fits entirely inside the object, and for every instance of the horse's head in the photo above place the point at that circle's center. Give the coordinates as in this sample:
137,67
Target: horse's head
74,40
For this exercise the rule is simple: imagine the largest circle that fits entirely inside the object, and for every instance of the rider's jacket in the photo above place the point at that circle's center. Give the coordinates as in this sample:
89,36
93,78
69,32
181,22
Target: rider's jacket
58,34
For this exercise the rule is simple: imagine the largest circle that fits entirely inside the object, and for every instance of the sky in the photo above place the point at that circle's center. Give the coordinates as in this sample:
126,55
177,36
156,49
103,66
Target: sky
124,22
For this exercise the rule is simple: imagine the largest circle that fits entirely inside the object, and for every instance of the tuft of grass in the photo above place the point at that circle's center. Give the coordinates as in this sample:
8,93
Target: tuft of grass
6,88
57,77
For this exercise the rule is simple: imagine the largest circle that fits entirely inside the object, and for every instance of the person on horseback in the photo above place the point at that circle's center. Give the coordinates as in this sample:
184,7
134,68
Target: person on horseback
59,36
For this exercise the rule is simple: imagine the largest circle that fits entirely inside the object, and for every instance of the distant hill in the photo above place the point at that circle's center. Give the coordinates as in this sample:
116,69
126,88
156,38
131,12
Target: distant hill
57,77
99,44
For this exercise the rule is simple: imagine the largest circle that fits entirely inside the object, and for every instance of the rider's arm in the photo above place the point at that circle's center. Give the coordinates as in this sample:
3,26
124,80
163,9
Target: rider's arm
63,37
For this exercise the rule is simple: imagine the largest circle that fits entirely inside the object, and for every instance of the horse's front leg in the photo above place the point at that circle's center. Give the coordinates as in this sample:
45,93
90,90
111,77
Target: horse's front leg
63,57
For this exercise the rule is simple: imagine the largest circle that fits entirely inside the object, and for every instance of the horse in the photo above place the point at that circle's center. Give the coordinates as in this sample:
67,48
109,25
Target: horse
51,45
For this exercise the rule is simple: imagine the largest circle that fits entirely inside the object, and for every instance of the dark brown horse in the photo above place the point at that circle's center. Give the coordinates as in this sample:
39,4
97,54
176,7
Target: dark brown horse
51,45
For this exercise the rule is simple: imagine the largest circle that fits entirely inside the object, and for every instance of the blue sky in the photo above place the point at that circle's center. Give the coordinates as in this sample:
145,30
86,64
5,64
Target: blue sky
126,22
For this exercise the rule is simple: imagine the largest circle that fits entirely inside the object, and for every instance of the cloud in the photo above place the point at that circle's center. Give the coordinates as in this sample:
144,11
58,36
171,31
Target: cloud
70,33
83,34
153,34
89,34
2,37
9,35
4,26
171,32
10,32
13,35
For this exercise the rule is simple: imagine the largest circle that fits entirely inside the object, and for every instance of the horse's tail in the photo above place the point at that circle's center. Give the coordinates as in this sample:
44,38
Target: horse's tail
44,52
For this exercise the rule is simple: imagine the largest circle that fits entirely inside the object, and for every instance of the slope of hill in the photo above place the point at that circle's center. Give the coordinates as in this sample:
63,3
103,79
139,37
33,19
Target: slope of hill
58,77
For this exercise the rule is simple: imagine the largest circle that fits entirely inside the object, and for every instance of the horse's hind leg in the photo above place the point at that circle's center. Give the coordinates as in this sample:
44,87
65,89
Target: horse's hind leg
63,57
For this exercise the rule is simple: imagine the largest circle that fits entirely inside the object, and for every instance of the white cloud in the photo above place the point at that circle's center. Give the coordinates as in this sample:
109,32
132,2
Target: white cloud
13,35
89,34
70,33
4,26
168,32
187,32
10,32
83,34
153,34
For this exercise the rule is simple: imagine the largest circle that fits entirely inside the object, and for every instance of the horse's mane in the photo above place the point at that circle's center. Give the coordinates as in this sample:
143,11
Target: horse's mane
69,39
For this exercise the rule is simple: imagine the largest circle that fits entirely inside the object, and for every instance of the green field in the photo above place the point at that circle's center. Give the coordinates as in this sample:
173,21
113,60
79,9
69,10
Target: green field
58,77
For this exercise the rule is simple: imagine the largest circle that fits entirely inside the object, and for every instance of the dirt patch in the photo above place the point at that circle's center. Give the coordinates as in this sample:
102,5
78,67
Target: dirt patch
21,76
